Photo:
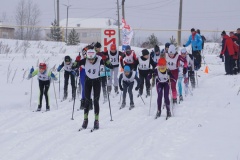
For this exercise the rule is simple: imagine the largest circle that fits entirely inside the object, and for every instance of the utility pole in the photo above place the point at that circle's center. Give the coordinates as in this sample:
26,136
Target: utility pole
58,13
118,24
123,11
66,35
180,23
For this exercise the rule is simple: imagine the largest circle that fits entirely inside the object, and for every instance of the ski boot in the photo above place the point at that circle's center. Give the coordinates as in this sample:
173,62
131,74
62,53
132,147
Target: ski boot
47,108
174,100
96,124
131,106
39,108
85,123
158,114
139,94
116,90
82,104
109,89
169,114
148,93
91,105
180,98
123,105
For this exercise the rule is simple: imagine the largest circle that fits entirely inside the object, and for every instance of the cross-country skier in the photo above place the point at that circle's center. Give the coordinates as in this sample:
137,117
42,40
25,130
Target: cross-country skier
165,50
92,64
144,68
173,61
126,83
181,76
69,71
113,56
129,58
44,78
162,75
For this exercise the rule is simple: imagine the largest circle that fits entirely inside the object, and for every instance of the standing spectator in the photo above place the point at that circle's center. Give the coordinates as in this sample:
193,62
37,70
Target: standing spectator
203,38
227,51
236,51
196,41
238,42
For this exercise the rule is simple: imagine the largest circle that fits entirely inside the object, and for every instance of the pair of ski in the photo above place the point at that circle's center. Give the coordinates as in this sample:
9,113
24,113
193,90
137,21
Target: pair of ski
130,108
70,100
92,130
40,111
156,117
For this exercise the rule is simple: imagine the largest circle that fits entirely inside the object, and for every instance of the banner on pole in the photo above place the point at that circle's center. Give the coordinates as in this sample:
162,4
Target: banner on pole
109,36
127,34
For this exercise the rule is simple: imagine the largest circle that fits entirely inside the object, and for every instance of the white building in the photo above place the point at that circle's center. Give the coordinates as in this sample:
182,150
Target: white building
89,29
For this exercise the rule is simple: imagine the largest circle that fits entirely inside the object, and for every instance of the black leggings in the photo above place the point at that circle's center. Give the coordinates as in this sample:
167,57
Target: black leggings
66,78
90,84
44,87
147,82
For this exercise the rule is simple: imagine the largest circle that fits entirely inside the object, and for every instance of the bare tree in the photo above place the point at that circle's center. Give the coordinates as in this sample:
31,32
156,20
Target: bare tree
27,17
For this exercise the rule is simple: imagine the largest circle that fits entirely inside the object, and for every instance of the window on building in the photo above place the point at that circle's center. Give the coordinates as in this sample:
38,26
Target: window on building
4,34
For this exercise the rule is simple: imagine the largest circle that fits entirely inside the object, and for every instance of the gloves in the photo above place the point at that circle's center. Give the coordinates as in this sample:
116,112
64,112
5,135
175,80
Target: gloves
31,70
73,73
53,77
107,62
59,68
221,56
137,88
76,72
104,57
121,88
184,45
184,70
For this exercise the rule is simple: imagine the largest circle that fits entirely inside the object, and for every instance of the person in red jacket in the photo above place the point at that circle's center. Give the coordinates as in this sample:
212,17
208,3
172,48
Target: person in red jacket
236,51
228,52
129,58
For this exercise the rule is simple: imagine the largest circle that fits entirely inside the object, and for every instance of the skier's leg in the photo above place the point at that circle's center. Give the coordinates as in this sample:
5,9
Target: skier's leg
73,86
115,83
130,88
66,77
147,81
96,91
47,85
141,84
125,86
41,87
88,90
160,95
180,85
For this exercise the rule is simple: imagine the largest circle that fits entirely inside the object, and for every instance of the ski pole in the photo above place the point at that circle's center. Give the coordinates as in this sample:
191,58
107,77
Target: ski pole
59,85
31,93
197,78
74,100
108,95
55,93
238,91
150,101
170,88
120,98
142,99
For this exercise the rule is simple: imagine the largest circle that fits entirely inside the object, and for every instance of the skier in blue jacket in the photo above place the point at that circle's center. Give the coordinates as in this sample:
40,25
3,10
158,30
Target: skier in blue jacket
196,41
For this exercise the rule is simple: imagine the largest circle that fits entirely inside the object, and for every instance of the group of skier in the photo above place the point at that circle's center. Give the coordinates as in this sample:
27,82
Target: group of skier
98,70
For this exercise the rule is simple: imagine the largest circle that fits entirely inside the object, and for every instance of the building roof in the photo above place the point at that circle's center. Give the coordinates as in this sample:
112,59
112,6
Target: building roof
5,25
89,23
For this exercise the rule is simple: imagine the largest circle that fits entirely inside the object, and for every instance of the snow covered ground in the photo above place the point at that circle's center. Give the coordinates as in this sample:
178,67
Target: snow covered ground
205,125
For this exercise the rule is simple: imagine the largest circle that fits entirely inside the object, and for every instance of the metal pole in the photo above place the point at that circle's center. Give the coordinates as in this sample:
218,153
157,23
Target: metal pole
66,34
123,11
58,17
180,23
118,24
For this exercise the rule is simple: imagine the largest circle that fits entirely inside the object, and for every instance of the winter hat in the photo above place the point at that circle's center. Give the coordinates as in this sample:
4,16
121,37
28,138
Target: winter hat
156,48
184,51
238,29
128,47
67,59
98,45
231,32
78,58
127,69
162,62
223,33
192,30
198,31
167,45
172,49
145,52
43,66
113,47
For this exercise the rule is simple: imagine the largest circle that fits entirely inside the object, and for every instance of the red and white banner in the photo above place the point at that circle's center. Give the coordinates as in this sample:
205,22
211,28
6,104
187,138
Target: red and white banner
127,34
109,36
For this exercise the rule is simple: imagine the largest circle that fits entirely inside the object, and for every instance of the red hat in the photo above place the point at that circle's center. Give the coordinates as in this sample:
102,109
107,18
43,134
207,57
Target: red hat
113,47
162,62
43,66
78,58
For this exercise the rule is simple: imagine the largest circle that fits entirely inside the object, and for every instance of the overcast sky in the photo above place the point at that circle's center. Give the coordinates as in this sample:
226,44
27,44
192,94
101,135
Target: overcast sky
150,14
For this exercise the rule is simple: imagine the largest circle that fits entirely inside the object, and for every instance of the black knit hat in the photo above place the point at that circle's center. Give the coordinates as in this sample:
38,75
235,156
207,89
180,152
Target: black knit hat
198,31
67,59
145,52
128,47
156,48
98,45
192,30
223,33
167,45
238,29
